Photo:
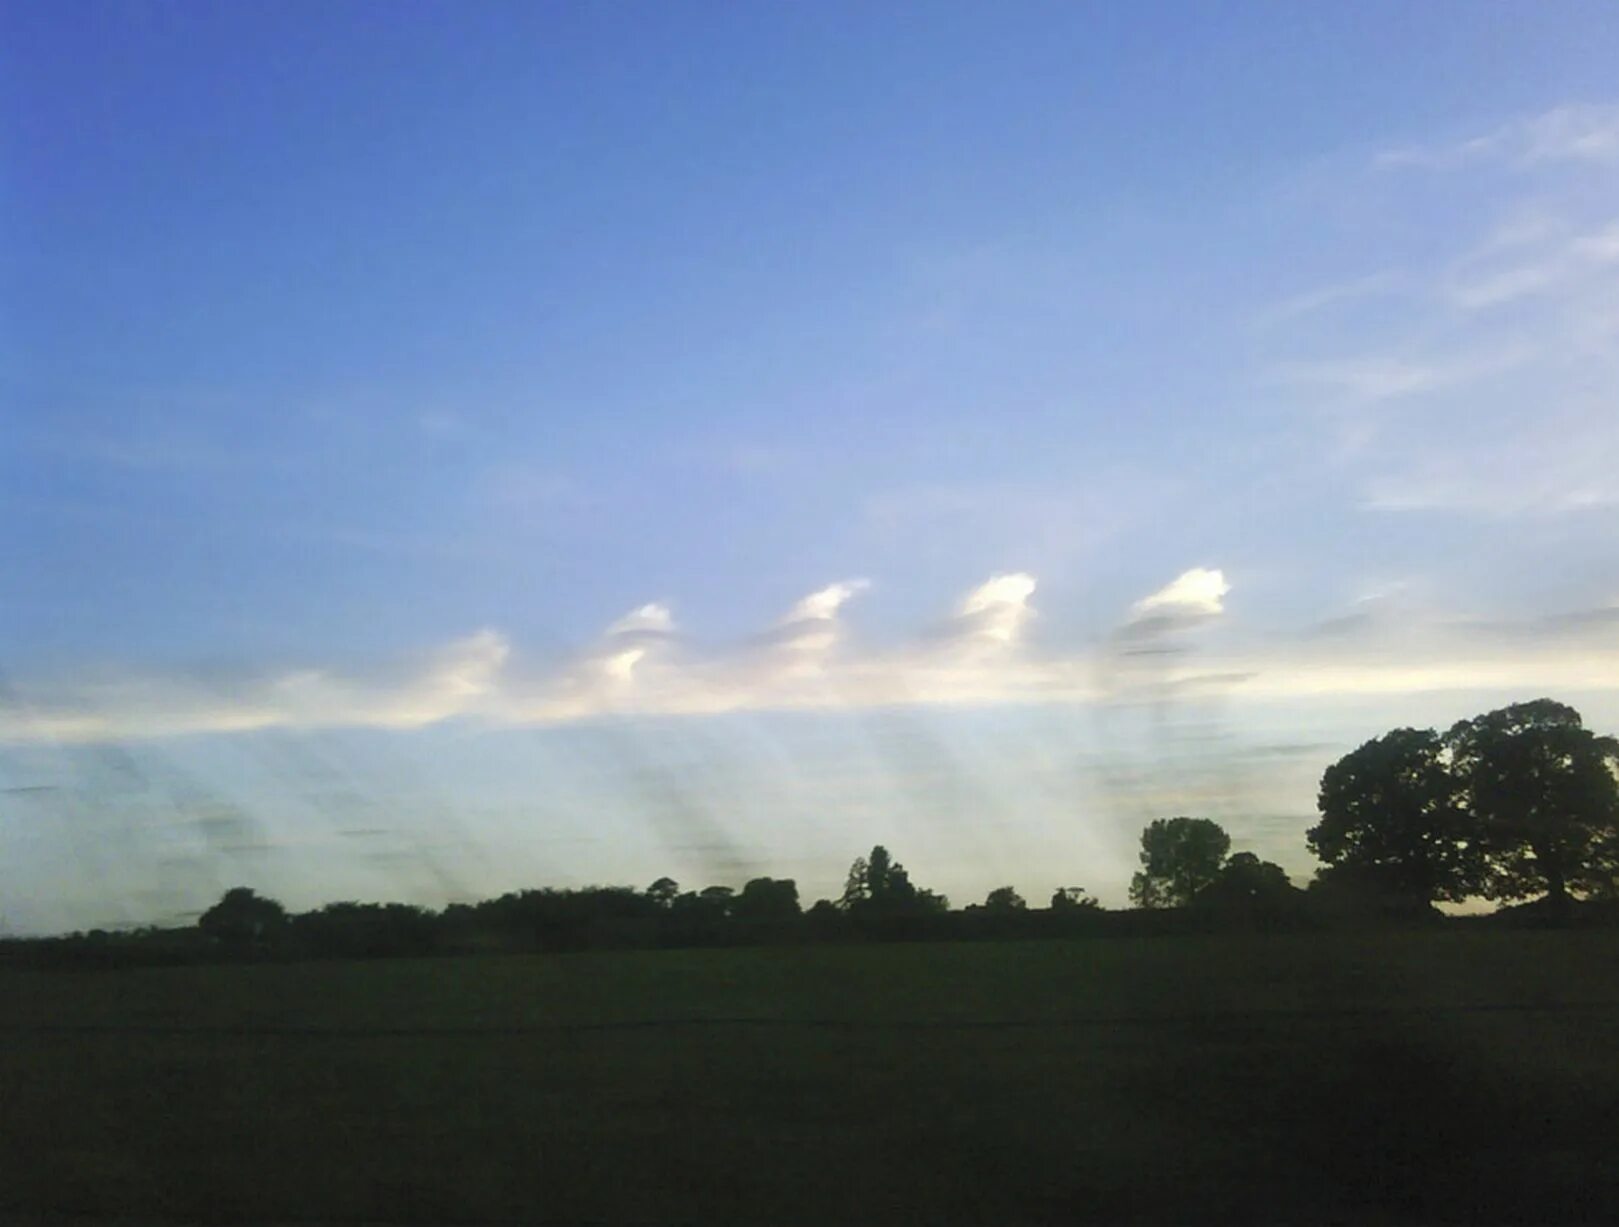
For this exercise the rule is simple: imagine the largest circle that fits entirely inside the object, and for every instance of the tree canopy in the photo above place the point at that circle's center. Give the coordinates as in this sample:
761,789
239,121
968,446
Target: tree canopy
1072,898
1004,899
767,900
880,898
879,885
1544,791
243,918
1392,817
1179,857
1249,885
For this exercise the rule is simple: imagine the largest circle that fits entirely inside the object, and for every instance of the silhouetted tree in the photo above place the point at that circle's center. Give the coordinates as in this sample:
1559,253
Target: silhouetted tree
1247,884
702,917
880,881
663,891
826,921
564,919
1073,898
855,889
880,895
767,901
1392,820
718,897
1601,877
1004,899
1179,856
1545,793
243,920
365,930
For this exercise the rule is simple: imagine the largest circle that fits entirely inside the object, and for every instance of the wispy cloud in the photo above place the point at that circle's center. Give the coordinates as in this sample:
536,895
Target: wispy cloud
1563,462
641,664
1497,275
995,612
448,682
1494,388
1309,302
1587,132
981,655
1381,377
811,628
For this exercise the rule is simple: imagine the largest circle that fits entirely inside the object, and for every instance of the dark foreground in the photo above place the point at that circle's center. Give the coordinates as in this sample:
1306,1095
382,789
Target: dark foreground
1424,1076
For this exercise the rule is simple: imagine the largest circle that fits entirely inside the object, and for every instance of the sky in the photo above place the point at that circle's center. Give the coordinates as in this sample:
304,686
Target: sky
455,448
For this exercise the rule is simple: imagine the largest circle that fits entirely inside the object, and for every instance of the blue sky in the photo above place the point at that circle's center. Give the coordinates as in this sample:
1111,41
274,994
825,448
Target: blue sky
579,442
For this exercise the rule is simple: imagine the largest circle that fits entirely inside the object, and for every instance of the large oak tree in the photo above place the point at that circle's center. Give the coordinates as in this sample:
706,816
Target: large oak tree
1392,820
1545,792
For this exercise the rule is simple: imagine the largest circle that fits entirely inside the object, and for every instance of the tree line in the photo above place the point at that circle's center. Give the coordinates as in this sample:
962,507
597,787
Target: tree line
1519,803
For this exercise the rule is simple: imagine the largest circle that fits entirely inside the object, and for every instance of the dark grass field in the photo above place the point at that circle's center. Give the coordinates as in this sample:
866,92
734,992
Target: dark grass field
1460,1076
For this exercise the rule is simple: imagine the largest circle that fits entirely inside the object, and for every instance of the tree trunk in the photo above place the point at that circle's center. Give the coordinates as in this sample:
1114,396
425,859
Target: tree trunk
1558,901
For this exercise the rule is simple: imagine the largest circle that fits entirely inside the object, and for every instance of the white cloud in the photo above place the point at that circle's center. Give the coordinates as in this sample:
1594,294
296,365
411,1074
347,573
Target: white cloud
456,680
620,666
451,683
1572,133
1484,279
605,673
1148,654
640,668
652,618
1200,591
1528,675
997,610
810,628
823,605
468,678
1588,133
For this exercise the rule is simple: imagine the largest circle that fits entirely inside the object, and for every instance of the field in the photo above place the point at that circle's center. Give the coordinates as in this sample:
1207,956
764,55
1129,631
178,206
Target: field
1458,1075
